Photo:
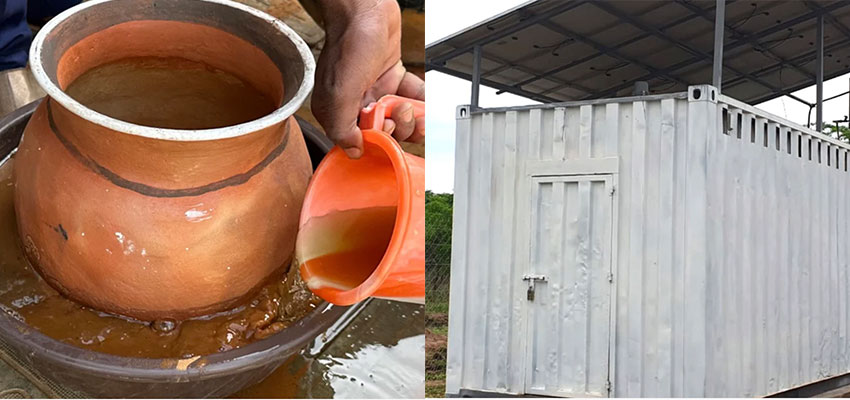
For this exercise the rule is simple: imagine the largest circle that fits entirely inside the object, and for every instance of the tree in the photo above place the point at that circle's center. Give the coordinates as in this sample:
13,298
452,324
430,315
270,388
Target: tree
438,232
839,132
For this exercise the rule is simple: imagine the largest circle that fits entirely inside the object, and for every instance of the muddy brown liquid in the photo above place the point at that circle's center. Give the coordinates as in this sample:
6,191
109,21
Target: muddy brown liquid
27,297
367,233
169,93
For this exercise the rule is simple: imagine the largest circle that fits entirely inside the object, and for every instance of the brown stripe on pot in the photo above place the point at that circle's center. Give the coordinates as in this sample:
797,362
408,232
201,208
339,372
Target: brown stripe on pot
148,190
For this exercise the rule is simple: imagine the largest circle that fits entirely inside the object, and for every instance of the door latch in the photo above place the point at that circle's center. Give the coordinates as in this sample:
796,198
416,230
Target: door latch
532,279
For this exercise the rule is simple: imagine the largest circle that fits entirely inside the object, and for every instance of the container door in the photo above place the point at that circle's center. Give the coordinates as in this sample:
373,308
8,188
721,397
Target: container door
568,286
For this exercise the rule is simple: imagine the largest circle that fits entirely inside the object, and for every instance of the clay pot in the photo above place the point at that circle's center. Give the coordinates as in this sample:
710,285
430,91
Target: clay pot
162,223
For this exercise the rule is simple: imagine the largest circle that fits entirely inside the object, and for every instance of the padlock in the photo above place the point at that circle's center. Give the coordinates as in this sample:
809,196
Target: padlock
532,279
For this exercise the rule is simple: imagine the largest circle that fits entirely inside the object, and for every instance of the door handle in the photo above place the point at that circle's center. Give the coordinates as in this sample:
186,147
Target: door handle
532,279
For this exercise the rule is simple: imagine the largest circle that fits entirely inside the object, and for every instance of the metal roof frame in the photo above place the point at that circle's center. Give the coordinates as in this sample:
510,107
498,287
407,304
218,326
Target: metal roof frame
541,13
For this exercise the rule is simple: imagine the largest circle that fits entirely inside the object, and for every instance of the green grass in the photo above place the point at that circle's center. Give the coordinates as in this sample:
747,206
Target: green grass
435,351
440,330
436,307
435,385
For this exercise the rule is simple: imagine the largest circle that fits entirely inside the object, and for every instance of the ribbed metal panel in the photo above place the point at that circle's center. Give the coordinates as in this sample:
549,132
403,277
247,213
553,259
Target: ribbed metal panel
729,275
569,315
778,298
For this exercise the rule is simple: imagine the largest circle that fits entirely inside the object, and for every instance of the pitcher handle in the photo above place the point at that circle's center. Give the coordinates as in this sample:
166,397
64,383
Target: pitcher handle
373,116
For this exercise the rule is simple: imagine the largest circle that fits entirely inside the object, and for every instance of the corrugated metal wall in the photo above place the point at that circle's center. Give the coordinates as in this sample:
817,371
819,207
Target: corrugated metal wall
778,256
729,274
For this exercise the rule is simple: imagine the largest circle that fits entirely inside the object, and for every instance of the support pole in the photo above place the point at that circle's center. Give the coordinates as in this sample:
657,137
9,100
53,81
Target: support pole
719,26
476,75
819,71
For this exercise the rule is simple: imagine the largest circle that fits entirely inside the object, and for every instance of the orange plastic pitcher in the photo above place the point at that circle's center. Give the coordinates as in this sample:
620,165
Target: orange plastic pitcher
362,226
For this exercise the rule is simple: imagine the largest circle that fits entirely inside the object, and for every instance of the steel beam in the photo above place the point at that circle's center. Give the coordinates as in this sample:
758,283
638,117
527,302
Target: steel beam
753,41
719,33
507,64
605,49
826,77
787,24
571,64
495,85
731,46
831,19
819,73
498,34
476,76
717,71
801,59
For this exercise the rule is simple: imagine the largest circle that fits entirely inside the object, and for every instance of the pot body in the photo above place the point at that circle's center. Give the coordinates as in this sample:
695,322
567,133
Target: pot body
132,247
153,222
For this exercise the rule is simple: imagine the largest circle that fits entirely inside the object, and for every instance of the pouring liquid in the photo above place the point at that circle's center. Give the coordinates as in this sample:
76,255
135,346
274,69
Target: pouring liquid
357,240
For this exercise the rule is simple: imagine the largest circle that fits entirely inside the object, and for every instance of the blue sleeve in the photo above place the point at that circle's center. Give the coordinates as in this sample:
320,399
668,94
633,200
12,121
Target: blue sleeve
40,11
15,34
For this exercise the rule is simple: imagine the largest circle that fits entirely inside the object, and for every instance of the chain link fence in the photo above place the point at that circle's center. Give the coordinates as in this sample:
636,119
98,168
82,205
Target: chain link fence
438,250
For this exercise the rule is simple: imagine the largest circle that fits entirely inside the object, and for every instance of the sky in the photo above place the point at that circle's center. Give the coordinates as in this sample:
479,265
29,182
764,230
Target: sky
444,93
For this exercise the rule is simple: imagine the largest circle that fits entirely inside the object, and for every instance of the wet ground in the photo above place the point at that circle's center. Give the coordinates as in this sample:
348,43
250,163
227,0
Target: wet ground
379,355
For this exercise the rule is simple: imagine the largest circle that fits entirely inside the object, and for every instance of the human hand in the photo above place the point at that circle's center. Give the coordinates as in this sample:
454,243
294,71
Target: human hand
360,63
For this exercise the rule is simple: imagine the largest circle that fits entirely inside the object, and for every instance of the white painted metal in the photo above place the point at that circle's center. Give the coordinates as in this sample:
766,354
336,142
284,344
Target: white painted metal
568,331
729,274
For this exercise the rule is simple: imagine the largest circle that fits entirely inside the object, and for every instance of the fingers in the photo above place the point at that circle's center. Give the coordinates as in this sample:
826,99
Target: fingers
336,96
403,126
389,126
411,87
418,135
336,111
387,83
336,108
404,120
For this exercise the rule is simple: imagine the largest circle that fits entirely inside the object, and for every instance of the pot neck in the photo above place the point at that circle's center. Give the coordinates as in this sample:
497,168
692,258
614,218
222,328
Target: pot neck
225,35
167,168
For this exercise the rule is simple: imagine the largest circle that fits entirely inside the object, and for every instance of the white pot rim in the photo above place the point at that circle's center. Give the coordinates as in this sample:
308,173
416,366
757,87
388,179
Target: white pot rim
277,116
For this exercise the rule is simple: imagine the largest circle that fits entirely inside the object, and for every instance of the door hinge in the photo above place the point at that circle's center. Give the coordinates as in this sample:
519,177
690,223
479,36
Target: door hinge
608,386
612,191
610,277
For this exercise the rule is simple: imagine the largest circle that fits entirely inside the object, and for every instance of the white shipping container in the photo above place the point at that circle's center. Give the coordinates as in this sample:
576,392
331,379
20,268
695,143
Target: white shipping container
668,245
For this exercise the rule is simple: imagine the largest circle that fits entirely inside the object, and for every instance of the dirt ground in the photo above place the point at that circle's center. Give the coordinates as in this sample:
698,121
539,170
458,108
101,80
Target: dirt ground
436,328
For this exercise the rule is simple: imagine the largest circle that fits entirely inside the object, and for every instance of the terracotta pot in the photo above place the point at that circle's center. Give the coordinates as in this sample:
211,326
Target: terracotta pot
162,223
